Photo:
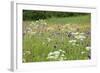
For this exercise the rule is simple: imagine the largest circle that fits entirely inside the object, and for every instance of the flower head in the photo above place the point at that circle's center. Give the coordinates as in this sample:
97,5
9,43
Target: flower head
88,48
56,55
49,39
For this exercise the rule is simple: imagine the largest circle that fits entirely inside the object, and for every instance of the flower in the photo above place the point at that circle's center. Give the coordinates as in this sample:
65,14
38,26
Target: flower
33,32
73,44
56,55
43,43
75,33
80,37
27,52
72,41
61,51
62,55
53,55
88,48
82,33
37,21
48,39
82,52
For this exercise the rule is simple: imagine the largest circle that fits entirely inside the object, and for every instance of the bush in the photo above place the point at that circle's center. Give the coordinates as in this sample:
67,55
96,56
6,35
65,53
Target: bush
36,15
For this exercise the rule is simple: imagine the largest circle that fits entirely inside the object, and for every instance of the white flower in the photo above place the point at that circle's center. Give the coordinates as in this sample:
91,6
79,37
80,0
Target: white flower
75,33
73,44
56,52
24,53
32,23
63,29
51,53
45,23
33,32
37,21
56,55
88,48
65,58
82,33
50,57
27,52
50,29
72,41
80,37
82,52
62,55
29,30
77,44
61,51
48,39
43,43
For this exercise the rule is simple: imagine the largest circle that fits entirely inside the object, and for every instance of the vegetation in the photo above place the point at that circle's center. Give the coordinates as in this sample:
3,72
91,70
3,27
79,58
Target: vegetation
36,15
56,36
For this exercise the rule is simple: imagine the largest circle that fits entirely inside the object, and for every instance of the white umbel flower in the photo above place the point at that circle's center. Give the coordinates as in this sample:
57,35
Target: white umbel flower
56,55
82,52
80,37
88,48
48,39
72,41
27,52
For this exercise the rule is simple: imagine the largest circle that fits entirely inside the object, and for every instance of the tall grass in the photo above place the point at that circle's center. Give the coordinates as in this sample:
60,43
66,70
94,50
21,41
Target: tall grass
70,35
70,20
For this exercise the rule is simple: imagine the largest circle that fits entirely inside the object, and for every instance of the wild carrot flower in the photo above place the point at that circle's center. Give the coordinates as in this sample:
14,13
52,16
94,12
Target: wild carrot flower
88,48
72,41
27,52
83,52
56,55
49,39
80,37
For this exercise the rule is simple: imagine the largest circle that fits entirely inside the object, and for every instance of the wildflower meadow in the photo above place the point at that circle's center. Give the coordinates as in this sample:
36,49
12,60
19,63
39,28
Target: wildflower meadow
56,36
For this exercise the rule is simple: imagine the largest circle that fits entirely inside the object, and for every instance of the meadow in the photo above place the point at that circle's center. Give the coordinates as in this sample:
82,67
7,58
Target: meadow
57,39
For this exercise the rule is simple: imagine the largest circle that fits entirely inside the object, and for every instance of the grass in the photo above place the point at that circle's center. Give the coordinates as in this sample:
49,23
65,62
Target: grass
70,20
42,39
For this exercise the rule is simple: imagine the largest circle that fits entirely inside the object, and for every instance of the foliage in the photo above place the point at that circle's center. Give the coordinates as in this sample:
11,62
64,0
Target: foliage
36,15
53,40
